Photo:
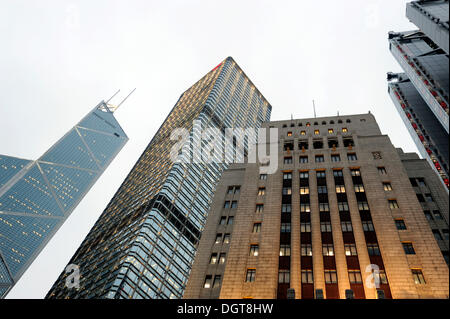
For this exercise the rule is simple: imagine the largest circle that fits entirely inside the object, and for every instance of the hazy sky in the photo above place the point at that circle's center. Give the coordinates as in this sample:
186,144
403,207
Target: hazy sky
59,58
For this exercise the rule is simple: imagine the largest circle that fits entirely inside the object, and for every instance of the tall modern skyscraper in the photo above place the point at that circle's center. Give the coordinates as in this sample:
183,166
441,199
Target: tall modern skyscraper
36,197
144,242
421,93
338,219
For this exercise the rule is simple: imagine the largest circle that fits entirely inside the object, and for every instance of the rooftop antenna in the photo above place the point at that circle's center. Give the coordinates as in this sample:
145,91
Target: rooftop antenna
113,108
314,107
292,117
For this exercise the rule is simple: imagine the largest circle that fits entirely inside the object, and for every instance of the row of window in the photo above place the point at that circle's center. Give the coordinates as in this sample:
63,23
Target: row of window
330,276
317,132
323,123
320,158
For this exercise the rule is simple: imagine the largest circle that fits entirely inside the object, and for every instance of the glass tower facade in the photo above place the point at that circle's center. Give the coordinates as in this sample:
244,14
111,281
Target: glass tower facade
145,241
421,94
36,197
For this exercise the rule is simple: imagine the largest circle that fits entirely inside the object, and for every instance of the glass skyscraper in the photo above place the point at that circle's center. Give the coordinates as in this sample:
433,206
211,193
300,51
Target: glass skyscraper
421,93
145,241
36,197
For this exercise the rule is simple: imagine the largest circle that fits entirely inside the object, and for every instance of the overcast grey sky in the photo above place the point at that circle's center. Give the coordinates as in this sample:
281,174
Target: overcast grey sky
59,58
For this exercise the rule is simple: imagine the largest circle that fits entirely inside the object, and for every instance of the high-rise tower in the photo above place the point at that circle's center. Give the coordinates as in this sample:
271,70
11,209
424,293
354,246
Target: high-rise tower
421,93
143,244
338,219
36,197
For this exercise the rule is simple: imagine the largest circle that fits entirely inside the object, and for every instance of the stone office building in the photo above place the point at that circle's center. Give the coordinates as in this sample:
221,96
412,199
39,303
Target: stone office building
339,219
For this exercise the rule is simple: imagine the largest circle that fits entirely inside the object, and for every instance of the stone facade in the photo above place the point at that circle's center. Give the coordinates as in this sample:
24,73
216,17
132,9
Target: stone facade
379,204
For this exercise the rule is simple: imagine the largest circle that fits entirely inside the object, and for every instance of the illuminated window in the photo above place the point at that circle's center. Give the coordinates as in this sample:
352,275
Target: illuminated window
304,190
226,238
251,274
254,250
307,276
350,250
330,276
303,133
289,133
306,250
328,249
259,208
308,124
256,227
261,191
285,250
393,204
213,259
287,191
222,258
344,130
340,189
330,131
418,276
216,282
354,276
316,132
283,276
305,227
387,186
207,283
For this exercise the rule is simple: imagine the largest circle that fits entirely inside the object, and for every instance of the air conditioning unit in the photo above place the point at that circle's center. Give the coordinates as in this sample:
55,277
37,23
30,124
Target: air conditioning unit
380,294
349,294
319,294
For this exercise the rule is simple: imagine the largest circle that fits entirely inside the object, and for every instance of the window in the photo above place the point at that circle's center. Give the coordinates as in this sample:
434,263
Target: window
330,131
338,173
288,160
320,174
437,215
393,204
285,227
382,277
328,249
367,225
413,182
256,227
325,227
287,176
445,232
254,250
251,273
288,146
344,130
216,282
289,133
261,191
307,276
237,189
408,248
320,159
343,206
346,226
303,159
381,170
351,157
286,208
285,250
226,238
418,276
287,191
340,189
347,121
359,188
283,276
355,172
324,207
234,204
373,249
304,175
437,234
230,190
226,204
259,208
222,258
428,198
354,276
421,181
305,227
363,206
306,250
304,190
308,124
230,220
223,220
350,250
428,214
213,259
335,158
305,208
322,189
263,177
316,132
400,224
218,238
302,132
387,186
330,277
207,283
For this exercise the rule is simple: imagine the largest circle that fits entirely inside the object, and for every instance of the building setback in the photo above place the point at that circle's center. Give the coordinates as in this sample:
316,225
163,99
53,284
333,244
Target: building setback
339,212
143,244
36,197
